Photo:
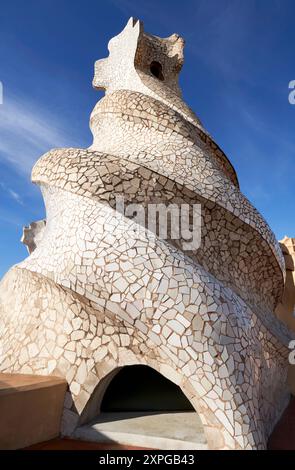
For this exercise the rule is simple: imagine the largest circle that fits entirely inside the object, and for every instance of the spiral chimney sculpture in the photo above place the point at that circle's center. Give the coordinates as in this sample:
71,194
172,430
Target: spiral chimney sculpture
102,289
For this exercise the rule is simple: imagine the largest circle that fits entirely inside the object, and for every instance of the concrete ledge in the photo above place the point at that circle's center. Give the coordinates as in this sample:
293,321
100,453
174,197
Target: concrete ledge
164,431
30,409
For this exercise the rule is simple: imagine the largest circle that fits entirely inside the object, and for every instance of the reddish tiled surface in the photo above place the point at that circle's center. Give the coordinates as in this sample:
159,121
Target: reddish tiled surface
72,444
283,436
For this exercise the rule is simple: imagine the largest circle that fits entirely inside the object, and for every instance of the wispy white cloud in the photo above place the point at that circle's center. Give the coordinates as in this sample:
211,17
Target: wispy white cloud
15,196
11,193
26,131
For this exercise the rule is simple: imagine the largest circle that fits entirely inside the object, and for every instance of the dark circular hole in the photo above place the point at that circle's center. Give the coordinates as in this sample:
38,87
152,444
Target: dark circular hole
156,70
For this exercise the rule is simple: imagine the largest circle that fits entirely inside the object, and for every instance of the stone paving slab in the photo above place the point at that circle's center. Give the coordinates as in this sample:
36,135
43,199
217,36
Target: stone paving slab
169,431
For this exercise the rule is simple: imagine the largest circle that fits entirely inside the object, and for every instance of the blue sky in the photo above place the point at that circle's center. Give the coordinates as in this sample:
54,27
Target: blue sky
239,60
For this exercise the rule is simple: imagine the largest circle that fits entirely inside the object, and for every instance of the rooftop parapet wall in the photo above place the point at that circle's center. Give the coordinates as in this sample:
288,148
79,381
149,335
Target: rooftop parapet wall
286,308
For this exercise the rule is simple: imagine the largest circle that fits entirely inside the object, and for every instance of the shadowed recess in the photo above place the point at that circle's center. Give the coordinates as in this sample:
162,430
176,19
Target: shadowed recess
141,388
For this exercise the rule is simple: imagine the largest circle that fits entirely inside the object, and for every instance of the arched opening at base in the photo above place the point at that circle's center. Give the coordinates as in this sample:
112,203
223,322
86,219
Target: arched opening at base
137,405
141,388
